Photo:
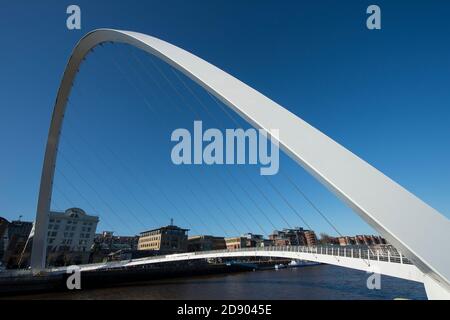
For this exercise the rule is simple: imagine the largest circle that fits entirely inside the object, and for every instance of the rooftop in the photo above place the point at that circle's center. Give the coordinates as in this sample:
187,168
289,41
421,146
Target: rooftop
169,227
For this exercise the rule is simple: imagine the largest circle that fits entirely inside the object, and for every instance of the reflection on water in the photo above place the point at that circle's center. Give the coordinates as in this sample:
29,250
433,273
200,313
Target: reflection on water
315,282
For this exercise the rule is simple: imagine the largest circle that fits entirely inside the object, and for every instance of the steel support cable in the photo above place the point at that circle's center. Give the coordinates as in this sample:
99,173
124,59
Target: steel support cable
174,88
101,199
139,92
112,191
205,208
150,76
149,107
136,179
56,205
70,203
288,203
296,187
121,183
233,208
132,194
94,210
271,184
210,114
245,207
194,111
245,173
213,201
186,203
95,191
197,114
228,171
255,203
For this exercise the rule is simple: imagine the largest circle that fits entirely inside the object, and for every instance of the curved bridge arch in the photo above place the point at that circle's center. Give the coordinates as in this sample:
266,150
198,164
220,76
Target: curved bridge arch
384,204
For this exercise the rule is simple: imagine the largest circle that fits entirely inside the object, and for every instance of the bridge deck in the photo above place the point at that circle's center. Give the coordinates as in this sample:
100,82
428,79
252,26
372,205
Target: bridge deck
384,261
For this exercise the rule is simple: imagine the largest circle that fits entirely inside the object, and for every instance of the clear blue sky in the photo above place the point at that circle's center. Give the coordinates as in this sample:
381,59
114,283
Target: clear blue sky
382,94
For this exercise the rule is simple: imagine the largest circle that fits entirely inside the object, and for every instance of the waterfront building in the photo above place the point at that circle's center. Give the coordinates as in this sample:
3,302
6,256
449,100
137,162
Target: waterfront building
107,241
72,230
253,240
362,240
294,237
266,243
206,243
236,243
107,246
248,240
326,240
169,239
311,238
346,241
369,240
14,240
70,236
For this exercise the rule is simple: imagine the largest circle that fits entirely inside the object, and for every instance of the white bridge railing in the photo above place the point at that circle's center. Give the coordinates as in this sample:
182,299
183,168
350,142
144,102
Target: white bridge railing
386,254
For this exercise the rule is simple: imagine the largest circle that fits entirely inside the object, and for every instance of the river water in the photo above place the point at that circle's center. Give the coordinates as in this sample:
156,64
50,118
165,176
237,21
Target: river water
312,282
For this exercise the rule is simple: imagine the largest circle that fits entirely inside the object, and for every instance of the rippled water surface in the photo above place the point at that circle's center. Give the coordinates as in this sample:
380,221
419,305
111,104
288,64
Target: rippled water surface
314,282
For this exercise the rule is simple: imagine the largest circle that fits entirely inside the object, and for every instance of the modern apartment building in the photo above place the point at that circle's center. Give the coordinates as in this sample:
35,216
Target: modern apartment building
294,237
311,238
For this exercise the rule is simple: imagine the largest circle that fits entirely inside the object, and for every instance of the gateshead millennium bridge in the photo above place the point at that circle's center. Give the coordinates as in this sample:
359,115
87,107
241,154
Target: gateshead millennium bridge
399,216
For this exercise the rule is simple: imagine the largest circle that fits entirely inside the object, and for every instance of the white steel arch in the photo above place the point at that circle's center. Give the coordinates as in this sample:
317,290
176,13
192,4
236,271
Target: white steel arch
412,226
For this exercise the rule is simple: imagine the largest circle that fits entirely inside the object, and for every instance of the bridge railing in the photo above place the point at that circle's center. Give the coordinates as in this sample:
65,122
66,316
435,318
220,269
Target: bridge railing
386,254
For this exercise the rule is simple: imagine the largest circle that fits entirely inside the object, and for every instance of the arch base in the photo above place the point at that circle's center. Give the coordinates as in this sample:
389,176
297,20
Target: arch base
434,290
